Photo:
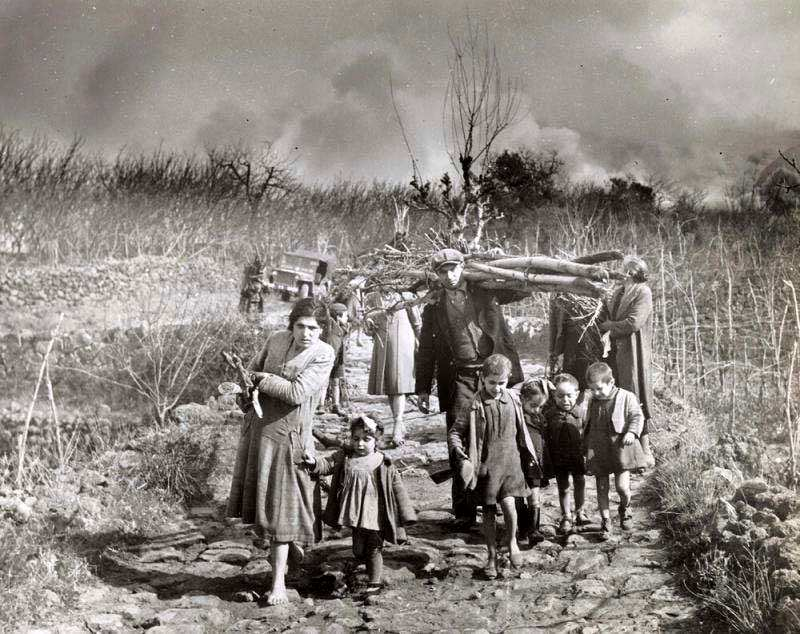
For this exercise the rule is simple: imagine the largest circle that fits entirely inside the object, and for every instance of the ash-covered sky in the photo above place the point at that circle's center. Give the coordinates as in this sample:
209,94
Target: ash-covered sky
684,90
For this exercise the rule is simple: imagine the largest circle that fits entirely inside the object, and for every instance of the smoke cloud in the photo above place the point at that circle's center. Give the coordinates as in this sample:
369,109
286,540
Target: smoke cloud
687,91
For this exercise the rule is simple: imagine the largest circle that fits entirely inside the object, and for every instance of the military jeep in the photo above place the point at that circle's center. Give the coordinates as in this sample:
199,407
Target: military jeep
301,274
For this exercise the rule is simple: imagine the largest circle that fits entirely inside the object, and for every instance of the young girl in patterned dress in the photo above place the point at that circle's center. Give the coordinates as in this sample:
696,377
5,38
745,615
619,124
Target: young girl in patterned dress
366,495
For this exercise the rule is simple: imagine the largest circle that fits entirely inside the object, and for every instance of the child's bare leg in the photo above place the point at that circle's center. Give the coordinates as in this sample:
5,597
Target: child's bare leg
579,487
622,481
336,392
563,493
490,536
280,555
398,404
510,516
602,495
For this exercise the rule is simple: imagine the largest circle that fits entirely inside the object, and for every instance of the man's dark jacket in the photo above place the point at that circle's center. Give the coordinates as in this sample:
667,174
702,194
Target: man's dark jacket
435,353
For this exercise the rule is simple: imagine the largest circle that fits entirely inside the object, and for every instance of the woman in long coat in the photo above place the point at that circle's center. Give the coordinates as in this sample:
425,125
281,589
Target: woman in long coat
394,334
271,486
627,317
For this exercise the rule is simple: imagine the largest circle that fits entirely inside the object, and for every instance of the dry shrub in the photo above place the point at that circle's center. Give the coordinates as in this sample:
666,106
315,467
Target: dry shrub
36,572
739,594
178,460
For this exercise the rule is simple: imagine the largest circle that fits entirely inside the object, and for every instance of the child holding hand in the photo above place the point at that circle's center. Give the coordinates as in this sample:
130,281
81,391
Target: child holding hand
565,418
614,423
366,495
491,443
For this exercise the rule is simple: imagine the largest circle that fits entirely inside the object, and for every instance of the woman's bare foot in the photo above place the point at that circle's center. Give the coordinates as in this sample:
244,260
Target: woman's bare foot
398,436
277,597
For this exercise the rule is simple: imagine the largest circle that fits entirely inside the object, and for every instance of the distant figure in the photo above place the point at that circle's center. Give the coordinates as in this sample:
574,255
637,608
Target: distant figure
628,319
253,287
367,495
614,423
335,334
394,333
268,487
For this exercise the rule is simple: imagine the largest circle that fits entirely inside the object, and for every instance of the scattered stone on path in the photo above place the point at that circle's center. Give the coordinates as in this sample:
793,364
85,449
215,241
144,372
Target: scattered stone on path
104,623
161,555
582,562
213,617
228,552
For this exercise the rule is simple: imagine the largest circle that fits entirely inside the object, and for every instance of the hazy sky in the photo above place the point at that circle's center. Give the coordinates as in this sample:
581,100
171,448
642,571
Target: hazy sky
686,90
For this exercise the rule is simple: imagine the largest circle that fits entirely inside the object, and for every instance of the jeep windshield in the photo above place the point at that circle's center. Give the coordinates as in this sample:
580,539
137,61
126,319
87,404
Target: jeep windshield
298,263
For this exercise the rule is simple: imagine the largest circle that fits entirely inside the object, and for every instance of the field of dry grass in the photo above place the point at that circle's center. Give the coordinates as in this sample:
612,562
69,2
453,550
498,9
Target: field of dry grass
726,323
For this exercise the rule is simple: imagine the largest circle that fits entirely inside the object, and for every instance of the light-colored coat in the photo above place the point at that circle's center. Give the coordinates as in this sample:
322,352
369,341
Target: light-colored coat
626,417
394,339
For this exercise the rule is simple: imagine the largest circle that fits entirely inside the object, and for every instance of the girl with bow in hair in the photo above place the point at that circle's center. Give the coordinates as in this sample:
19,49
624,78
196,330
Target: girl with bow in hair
366,495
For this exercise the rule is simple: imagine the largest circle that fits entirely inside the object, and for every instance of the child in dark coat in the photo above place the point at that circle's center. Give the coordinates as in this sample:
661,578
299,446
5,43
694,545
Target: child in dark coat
491,444
366,495
615,421
565,416
534,394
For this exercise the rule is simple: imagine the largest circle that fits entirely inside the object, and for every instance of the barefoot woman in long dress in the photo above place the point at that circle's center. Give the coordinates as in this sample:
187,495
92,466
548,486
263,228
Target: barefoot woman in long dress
270,486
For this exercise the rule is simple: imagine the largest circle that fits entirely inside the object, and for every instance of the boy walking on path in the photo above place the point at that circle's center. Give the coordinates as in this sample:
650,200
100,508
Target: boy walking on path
462,325
492,446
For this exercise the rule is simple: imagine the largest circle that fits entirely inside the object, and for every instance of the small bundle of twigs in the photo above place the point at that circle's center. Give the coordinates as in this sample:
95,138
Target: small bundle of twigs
583,313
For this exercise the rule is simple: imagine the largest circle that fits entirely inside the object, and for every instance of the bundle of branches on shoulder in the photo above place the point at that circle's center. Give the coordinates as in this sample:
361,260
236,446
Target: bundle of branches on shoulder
407,269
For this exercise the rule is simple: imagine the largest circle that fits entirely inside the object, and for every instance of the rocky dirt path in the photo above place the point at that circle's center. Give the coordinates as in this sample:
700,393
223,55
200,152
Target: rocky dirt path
187,579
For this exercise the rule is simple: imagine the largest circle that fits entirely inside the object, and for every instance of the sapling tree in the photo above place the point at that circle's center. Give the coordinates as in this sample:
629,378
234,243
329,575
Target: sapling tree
480,103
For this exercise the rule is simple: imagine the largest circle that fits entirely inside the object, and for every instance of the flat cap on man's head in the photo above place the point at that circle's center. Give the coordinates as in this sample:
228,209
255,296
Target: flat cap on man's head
338,309
446,256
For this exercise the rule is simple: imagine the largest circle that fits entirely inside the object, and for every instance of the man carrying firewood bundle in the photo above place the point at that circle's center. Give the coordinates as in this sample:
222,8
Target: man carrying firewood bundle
462,325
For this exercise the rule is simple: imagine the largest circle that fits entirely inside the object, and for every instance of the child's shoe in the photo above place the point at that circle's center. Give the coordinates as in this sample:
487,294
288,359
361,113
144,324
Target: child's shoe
565,525
625,522
581,519
605,528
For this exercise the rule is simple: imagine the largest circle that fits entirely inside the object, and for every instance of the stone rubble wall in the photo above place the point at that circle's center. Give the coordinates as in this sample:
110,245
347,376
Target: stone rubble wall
23,286
765,518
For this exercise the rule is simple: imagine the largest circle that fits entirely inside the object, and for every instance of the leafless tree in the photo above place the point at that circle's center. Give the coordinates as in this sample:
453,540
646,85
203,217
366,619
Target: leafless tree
261,176
480,103
791,161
